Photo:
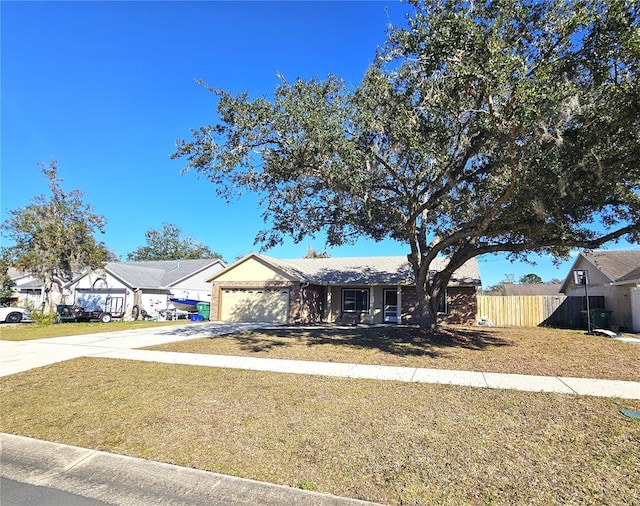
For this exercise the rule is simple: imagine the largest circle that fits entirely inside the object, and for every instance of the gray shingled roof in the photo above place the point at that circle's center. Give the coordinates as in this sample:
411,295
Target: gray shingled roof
156,274
394,270
532,289
617,265
634,275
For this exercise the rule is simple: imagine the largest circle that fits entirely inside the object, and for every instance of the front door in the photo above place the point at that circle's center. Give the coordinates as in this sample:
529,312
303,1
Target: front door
390,306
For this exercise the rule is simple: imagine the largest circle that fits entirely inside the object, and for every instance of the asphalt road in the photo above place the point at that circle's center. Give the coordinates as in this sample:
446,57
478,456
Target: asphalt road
15,493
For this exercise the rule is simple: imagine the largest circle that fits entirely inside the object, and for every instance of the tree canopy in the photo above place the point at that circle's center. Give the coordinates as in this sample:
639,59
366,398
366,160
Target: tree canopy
170,244
312,253
530,279
481,127
54,236
6,283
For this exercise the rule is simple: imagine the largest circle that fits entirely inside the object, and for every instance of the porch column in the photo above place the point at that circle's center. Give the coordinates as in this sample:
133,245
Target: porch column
371,305
399,302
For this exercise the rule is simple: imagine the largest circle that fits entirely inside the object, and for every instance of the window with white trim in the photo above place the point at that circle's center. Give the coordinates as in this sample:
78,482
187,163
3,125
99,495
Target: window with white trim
355,299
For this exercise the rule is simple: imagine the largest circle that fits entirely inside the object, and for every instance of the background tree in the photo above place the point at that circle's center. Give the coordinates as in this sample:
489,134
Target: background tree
6,283
311,253
170,244
54,236
530,279
481,127
498,288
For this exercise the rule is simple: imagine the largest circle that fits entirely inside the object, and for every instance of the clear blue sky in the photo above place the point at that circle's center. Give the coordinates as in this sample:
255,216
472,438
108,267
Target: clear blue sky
107,87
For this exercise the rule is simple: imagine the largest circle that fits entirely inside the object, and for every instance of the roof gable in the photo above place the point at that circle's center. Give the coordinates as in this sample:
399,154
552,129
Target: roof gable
255,267
617,266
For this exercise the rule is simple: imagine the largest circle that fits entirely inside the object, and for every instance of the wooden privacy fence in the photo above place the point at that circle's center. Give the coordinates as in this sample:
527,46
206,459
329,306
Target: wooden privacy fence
531,310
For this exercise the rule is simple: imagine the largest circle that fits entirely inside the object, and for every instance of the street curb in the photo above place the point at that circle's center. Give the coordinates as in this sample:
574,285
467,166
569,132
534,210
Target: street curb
128,481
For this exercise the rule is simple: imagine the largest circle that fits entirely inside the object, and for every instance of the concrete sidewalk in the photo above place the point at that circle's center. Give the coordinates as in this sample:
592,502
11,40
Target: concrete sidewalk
122,480
562,385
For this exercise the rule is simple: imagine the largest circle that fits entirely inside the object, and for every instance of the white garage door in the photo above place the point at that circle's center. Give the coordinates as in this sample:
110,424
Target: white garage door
255,305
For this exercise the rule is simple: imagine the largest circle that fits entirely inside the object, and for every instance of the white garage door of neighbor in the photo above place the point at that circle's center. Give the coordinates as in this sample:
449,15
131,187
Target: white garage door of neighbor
255,306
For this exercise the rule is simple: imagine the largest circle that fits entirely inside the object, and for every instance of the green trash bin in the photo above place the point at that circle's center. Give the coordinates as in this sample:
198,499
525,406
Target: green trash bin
203,309
600,318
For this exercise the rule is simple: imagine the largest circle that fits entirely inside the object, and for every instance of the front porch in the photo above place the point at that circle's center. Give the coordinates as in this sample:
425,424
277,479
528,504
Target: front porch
362,304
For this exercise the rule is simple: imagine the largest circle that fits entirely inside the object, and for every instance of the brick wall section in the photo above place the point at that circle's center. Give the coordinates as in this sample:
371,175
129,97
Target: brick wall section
462,305
313,305
408,306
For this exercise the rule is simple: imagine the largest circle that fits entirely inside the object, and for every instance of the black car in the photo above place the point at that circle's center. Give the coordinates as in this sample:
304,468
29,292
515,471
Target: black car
73,313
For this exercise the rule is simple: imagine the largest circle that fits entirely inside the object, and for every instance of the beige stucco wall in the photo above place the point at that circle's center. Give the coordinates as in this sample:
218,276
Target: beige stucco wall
252,269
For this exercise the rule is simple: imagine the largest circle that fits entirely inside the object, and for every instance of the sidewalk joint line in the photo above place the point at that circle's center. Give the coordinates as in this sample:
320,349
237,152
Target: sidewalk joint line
566,384
80,461
47,477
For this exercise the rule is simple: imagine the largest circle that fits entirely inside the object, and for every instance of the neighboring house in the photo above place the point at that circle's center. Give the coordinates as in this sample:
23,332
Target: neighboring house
122,286
29,289
342,290
528,289
614,278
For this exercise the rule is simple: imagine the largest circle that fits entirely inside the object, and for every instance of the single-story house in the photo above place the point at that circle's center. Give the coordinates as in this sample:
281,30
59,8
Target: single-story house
531,289
29,289
122,286
341,290
614,279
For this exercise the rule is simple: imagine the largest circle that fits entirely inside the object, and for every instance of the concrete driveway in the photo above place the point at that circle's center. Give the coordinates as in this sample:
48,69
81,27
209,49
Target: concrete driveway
19,356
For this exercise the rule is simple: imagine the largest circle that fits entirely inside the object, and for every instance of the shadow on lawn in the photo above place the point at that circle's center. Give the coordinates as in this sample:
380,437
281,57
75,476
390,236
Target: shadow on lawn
395,340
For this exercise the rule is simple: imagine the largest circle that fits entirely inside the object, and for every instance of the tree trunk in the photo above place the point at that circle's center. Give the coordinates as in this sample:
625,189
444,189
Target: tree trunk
49,306
426,315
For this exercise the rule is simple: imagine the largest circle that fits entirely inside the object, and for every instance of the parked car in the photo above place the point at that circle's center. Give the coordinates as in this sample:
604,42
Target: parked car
10,314
73,313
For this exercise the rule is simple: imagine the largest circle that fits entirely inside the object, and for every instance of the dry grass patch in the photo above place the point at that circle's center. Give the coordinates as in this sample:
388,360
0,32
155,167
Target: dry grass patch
28,331
388,442
538,351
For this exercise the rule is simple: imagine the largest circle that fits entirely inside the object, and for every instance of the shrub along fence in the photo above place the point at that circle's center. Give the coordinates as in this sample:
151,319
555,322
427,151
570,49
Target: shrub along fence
534,310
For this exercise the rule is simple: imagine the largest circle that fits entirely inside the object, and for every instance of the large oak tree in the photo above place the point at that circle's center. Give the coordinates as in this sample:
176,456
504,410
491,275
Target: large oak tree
481,127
